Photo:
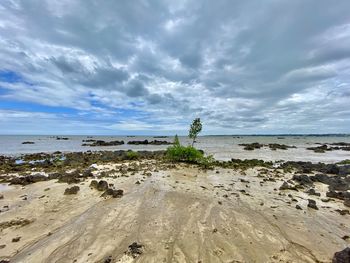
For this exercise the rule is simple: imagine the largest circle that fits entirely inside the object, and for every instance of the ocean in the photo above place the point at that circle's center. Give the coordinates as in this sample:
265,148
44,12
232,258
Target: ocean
221,147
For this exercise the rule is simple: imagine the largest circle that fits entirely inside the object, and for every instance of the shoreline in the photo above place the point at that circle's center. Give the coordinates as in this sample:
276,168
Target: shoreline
314,149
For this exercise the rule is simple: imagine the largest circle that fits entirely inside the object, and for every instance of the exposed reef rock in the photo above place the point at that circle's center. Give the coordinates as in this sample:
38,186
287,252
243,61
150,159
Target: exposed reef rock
72,190
102,143
146,142
272,146
342,256
27,142
323,148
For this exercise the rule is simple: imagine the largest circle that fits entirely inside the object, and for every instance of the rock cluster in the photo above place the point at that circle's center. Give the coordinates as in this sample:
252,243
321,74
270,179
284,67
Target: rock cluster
72,190
323,148
272,146
146,142
102,143
102,185
29,179
17,222
135,249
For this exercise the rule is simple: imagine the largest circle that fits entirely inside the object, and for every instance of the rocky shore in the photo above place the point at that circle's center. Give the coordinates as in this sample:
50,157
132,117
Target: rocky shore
124,206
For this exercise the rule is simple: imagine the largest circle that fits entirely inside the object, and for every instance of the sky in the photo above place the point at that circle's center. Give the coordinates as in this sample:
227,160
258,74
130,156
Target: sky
150,67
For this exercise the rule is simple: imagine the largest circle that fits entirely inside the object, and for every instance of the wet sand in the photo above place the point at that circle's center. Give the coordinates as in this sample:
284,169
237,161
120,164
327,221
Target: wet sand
182,214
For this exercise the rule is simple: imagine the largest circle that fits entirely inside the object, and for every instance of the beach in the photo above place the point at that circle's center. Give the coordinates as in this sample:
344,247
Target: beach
152,210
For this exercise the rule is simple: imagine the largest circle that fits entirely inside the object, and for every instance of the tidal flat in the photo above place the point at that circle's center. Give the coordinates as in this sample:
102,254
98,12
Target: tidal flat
117,207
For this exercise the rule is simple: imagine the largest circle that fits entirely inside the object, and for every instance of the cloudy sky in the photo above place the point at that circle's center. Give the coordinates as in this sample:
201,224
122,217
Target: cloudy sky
150,67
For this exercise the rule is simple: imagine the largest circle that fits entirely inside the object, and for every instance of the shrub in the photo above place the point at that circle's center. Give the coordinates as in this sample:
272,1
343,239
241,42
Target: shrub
189,154
346,161
180,153
131,155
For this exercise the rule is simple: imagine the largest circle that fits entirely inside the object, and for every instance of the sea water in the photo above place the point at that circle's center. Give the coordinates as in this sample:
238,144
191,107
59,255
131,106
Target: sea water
221,147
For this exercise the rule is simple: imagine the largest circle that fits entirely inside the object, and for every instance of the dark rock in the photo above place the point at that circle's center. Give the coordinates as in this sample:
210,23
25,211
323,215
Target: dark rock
332,169
320,149
302,179
88,173
89,140
53,176
275,146
244,181
344,170
340,144
103,143
145,142
27,142
334,182
298,207
312,192
135,249
251,146
342,256
72,190
112,192
94,184
286,186
29,179
343,212
102,185
322,178
342,195
16,239
312,204
308,167
16,222
347,202
69,178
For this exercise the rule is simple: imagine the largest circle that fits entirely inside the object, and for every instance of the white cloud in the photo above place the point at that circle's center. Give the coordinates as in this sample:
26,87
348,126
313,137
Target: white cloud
244,67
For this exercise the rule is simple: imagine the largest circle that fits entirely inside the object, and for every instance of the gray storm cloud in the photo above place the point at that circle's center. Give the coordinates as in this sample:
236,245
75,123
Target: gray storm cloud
243,66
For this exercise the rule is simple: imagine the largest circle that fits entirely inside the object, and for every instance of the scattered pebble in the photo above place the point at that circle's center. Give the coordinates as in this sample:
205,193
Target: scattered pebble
312,204
16,239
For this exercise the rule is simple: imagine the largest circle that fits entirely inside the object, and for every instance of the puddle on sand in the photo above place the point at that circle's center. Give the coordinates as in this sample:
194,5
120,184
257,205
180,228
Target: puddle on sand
4,187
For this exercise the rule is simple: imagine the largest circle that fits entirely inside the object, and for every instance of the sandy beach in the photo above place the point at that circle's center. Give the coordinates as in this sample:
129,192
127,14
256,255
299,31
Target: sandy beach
172,213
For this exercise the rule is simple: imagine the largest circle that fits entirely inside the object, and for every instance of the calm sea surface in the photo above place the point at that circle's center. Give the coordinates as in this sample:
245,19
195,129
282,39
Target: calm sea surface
221,147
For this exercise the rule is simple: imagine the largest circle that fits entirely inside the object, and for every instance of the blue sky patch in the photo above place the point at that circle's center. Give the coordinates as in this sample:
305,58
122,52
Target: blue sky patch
34,107
10,76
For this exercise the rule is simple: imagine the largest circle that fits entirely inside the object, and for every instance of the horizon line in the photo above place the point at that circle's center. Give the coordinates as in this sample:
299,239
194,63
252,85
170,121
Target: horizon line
157,135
